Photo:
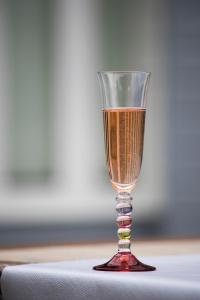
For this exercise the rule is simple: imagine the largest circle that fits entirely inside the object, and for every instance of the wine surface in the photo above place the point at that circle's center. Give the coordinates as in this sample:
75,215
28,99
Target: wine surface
124,134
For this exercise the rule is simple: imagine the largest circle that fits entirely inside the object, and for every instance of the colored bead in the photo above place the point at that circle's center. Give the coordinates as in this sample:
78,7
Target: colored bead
124,221
124,208
124,233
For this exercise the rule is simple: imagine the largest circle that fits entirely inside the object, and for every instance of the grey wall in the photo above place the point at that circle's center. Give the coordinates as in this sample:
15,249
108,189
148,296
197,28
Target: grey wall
185,110
51,141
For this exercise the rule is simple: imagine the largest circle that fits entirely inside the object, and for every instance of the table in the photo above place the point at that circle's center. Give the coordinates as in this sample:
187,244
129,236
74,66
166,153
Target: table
37,254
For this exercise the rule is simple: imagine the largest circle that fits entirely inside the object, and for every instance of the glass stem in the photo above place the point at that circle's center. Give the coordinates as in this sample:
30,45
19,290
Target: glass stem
124,221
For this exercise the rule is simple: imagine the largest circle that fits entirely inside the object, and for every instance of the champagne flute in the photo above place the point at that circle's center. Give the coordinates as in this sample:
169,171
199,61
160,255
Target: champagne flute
124,107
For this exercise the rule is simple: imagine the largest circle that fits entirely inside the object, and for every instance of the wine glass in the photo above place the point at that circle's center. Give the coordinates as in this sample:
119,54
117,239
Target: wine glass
124,107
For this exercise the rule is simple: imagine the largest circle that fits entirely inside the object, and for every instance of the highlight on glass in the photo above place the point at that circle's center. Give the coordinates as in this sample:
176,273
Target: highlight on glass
124,108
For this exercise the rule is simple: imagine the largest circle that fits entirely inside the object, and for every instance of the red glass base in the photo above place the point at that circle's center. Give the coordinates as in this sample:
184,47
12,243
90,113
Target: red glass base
124,262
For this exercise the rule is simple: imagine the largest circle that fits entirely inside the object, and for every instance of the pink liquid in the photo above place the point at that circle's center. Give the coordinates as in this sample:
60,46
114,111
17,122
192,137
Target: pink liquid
124,135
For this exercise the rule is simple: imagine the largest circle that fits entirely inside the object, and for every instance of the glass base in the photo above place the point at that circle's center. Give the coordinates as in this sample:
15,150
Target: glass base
124,262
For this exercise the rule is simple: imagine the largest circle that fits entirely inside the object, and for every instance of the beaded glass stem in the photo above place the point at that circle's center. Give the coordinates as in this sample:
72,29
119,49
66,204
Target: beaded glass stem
124,108
124,221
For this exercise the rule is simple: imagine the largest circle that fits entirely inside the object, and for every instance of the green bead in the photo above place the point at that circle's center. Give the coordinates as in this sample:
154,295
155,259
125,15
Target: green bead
124,233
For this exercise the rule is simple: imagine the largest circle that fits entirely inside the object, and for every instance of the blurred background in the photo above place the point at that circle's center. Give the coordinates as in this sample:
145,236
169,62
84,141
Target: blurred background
54,185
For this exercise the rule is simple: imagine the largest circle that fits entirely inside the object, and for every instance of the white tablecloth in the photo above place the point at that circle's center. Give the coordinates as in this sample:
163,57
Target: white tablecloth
177,277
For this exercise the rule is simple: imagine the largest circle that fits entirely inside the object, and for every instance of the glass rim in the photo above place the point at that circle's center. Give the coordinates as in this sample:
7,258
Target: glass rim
125,72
